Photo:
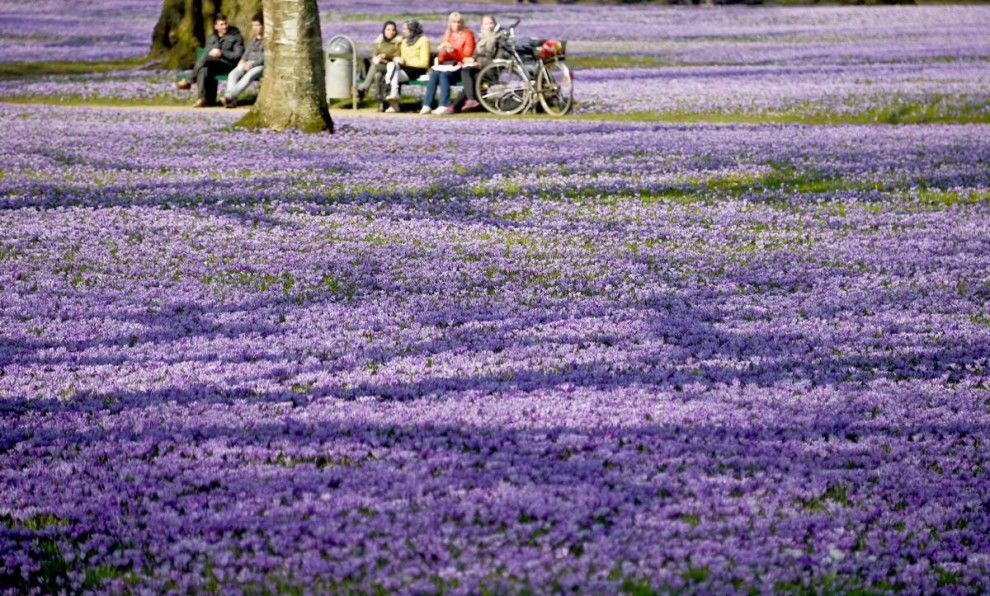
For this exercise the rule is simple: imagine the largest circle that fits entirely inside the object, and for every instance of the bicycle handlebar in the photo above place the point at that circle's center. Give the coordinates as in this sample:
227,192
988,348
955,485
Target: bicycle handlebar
514,23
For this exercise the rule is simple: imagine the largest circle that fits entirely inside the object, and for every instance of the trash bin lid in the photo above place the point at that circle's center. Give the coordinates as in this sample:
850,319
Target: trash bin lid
340,48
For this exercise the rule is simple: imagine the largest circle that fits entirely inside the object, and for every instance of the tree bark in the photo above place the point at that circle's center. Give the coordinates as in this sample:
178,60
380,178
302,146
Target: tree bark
293,89
184,25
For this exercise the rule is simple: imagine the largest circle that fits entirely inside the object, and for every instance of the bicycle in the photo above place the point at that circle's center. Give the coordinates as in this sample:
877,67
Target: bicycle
508,86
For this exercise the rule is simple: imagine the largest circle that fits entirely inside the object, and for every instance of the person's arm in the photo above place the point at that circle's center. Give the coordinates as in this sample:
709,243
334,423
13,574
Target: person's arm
468,50
235,50
212,46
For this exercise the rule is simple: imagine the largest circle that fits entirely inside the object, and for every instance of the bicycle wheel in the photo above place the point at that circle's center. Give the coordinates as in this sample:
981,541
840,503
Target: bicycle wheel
503,88
555,88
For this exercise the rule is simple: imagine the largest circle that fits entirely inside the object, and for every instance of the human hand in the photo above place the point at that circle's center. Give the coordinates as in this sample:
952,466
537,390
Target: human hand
376,60
215,53
248,65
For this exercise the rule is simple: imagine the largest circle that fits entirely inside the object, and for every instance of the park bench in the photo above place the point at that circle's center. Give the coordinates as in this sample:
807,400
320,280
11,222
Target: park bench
220,78
424,80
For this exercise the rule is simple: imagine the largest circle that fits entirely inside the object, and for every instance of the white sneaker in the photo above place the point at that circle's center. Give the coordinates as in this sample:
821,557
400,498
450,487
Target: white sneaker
425,110
392,98
391,110
441,110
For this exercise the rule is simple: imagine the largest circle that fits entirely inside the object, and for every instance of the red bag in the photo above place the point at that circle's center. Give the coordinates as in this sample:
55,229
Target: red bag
550,49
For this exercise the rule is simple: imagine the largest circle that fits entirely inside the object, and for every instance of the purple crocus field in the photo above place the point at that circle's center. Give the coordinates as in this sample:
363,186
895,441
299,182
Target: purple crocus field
818,63
474,355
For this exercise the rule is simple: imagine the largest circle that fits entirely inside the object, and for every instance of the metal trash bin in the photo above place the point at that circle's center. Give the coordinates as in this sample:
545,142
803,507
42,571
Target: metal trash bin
341,67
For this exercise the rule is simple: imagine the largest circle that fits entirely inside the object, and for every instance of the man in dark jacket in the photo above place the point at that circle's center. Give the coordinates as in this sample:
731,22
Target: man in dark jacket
222,51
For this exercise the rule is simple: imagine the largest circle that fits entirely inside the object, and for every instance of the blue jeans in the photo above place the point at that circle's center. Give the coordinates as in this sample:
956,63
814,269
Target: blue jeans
443,78
239,79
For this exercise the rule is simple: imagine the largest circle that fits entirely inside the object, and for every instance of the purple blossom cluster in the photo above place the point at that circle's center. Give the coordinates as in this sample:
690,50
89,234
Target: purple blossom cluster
783,35
126,86
835,61
424,355
49,30
827,89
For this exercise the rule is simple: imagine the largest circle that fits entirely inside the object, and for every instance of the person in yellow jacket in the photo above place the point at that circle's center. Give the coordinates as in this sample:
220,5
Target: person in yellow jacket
412,62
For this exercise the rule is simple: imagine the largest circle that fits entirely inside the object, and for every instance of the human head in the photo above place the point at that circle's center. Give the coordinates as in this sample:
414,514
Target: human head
488,23
389,30
258,26
411,29
220,24
455,22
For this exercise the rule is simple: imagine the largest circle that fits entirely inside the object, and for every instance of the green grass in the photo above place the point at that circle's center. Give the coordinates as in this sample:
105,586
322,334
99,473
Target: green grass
78,100
901,113
621,61
26,70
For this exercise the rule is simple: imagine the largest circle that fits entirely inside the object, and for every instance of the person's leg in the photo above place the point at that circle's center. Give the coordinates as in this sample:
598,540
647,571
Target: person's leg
469,98
254,75
467,79
203,80
445,88
193,75
431,89
208,81
233,80
373,84
395,77
235,88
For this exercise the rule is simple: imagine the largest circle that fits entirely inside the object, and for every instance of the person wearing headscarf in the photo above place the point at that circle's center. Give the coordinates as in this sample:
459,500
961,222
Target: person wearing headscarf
456,47
385,48
412,62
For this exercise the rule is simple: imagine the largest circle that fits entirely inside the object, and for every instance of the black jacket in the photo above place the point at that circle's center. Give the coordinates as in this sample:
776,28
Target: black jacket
231,46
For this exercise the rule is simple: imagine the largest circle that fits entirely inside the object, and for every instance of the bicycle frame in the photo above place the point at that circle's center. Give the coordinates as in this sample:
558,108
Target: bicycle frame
518,61
533,82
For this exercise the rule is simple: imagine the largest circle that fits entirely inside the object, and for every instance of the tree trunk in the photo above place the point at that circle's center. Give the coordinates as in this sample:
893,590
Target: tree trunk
293,89
184,25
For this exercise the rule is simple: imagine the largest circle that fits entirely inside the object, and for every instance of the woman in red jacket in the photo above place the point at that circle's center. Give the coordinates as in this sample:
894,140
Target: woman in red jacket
456,44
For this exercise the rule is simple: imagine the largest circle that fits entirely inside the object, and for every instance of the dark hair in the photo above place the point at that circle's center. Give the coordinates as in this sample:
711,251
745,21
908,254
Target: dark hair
394,26
258,18
219,17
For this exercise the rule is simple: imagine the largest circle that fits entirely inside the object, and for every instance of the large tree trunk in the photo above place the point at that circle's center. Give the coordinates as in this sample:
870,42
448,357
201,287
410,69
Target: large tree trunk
184,26
293,90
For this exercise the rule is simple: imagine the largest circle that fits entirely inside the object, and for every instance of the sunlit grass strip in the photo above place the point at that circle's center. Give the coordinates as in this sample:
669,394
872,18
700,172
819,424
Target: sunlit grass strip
894,113
21,70
162,100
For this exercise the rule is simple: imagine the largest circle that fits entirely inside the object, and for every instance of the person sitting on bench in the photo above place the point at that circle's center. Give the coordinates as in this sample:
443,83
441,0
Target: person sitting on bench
456,46
386,48
411,63
223,49
484,52
251,65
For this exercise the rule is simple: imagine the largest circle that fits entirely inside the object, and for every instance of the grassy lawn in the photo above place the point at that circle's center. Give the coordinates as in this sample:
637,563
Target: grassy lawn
24,70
